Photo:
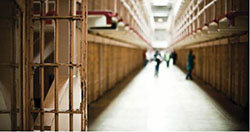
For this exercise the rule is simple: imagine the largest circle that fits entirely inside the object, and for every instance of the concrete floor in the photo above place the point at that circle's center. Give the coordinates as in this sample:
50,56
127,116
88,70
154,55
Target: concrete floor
143,102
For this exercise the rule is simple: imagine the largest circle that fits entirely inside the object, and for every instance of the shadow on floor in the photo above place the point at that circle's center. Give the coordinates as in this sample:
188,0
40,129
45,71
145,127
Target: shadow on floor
238,113
229,108
95,108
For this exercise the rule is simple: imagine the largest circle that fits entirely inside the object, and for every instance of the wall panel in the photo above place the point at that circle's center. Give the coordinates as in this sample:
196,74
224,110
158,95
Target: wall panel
108,65
223,66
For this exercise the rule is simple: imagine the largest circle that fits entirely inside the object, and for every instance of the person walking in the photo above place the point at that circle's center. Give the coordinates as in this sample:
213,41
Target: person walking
157,66
167,59
190,65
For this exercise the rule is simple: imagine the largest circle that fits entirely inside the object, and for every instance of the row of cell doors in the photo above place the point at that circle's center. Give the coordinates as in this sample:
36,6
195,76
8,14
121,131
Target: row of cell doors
42,65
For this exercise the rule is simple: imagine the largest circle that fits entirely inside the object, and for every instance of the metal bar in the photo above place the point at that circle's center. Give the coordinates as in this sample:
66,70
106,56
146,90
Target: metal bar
42,41
55,65
29,89
9,65
56,68
226,7
83,53
57,17
9,111
23,72
58,111
14,77
71,72
47,6
203,10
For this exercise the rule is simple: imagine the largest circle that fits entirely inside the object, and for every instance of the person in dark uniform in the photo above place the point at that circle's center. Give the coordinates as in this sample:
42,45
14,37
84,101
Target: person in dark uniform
174,57
190,65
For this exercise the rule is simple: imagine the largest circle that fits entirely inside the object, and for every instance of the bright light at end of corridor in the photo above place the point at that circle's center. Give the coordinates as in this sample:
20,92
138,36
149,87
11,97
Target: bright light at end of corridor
160,20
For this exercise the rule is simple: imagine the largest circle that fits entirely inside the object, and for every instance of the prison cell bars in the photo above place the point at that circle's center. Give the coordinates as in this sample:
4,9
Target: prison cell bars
71,65
16,67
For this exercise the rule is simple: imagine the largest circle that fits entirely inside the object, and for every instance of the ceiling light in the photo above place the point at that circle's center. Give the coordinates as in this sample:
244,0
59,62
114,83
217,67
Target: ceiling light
160,20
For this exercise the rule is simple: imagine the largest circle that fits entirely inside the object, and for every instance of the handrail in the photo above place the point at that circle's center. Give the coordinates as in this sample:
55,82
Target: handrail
203,9
191,21
134,16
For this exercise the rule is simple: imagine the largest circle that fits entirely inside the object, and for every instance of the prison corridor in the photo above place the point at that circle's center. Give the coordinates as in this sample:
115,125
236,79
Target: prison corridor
144,102
80,65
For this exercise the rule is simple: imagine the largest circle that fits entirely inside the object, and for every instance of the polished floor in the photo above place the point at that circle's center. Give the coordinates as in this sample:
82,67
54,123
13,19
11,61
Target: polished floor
144,102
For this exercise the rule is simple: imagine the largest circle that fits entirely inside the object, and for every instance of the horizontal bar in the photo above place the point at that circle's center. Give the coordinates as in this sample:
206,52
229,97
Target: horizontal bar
57,17
8,111
55,65
78,111
7,17
9,64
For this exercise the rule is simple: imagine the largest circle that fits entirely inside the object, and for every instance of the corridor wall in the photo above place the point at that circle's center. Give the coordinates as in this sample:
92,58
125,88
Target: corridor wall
223,64
108,65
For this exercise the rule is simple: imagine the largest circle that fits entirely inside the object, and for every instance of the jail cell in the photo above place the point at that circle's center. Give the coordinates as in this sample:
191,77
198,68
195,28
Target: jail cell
58,63
11,66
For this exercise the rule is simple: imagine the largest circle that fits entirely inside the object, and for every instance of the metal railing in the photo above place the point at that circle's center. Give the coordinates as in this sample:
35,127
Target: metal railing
200,13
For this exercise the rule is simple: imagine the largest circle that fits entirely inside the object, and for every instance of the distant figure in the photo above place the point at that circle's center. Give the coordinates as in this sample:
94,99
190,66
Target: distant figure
190,65
167,58
156,53
157,66
174,57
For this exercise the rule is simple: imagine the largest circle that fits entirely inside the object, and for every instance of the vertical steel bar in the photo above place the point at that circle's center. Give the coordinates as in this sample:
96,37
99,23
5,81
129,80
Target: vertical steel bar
56,68
226,7
42,33
13,113
23,72
115,6
29,88
47,6
83,53
214,10
71,62
205,12
198,19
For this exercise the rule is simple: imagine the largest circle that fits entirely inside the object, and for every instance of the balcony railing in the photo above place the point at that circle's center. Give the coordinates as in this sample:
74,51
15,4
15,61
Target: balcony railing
129,12
200,14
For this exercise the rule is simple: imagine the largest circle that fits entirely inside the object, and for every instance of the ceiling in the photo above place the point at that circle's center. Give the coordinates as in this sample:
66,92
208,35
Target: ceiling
161,10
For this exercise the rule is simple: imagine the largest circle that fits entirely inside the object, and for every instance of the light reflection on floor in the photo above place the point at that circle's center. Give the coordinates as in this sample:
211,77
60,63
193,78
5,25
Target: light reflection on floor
169,102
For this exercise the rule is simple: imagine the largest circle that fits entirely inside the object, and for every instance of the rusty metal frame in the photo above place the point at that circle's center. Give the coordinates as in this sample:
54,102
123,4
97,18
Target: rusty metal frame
56,68
16,111
42,43
84,47
71,101
71,65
